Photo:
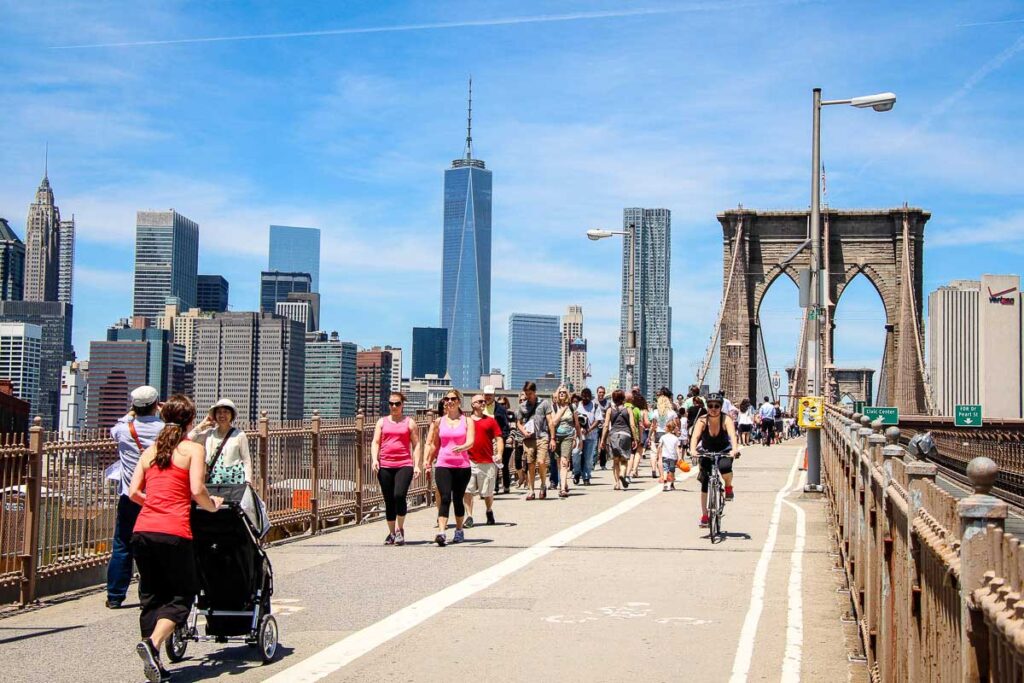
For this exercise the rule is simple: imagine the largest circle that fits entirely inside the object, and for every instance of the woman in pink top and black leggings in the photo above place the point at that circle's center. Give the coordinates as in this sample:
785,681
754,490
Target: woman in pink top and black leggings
396,451
449,441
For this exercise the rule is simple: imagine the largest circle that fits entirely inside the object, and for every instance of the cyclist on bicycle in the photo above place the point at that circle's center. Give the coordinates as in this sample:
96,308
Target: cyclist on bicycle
714,433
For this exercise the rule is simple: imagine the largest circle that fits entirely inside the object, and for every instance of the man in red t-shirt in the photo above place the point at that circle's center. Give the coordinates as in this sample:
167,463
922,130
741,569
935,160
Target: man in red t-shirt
485,457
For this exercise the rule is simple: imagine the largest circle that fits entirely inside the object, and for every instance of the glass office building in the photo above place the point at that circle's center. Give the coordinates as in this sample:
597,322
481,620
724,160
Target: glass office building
466,266
166,261
534,348
296,250
429,351
275,286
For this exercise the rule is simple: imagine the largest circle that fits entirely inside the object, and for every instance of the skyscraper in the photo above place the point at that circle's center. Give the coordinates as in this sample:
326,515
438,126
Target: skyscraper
975,346
42,246
652,315
299,311
373,382
115,368
54,317
20,346
166,261
66,261
275,286
165,360
534,348
12,264
330,376
295,250
466,265
429,352
212,293
258,360
74,396
574,348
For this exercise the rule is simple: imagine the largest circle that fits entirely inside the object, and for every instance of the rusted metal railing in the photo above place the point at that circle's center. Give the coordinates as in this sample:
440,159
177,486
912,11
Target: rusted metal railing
935,583
57,508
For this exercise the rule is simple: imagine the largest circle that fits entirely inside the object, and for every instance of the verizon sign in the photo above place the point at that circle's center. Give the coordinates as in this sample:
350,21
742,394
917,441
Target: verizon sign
1003,298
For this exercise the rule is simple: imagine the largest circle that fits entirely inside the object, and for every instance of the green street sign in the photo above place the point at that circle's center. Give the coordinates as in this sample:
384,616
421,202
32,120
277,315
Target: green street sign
890,414
967,415
858,407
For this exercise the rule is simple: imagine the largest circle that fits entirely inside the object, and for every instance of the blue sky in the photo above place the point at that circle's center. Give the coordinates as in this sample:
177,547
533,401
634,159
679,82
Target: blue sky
580,109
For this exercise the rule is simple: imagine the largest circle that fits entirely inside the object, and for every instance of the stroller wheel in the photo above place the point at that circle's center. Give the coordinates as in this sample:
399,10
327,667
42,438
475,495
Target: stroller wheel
176,644
267,638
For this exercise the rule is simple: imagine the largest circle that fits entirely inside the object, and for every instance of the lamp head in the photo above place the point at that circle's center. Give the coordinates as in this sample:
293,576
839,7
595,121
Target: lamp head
880,102
597,234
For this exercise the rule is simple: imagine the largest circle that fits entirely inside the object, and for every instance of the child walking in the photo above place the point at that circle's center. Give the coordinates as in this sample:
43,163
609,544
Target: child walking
669,448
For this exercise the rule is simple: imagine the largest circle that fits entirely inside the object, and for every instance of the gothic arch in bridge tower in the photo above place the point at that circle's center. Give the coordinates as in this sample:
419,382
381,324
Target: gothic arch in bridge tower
886,246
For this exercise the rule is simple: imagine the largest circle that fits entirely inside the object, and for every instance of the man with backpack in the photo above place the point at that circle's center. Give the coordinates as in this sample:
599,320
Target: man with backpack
767,414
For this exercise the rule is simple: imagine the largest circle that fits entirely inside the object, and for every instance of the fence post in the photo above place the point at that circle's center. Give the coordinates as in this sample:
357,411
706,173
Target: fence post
428,472
263,434
887,645
918,474
314,474
360,459
976,512
33,487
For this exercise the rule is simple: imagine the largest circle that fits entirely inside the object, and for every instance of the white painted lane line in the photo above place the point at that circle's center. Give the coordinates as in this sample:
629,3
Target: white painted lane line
341,653
794,616
745,648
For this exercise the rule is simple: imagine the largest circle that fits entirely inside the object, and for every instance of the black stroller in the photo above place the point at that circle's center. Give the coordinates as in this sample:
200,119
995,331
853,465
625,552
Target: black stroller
235,576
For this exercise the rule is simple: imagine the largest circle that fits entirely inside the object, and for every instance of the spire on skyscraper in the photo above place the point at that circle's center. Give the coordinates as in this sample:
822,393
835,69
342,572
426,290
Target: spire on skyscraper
469,123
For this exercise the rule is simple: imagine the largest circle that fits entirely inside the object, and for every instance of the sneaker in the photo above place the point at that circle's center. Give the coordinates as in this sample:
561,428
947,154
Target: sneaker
150,660
399,537
112,604
390,540
704,522
729,495
586,482
664,487
625,482
469,522
672,485
460,536
440,540
490,517
654,475
576,480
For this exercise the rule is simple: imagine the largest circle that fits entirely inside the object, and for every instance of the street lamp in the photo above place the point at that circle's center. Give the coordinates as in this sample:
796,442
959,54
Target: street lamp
880,102
596,234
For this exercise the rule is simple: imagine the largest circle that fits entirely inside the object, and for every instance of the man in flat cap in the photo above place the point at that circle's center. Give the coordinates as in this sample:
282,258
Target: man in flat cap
134,433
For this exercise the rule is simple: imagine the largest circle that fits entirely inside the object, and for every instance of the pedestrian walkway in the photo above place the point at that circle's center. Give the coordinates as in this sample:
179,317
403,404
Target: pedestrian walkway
603,586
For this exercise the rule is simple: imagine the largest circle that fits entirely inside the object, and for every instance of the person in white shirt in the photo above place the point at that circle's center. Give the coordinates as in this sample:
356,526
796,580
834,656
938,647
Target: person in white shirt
767,415
670,448
227,448
745,421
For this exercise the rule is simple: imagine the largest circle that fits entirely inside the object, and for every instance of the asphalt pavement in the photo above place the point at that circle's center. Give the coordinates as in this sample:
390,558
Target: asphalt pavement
602,586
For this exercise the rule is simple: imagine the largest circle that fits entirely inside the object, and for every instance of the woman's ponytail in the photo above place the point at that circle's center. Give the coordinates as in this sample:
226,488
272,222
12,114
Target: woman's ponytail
177,414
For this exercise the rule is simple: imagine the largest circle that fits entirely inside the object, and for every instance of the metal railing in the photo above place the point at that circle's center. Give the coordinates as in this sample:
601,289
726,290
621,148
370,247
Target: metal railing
935,582
57,508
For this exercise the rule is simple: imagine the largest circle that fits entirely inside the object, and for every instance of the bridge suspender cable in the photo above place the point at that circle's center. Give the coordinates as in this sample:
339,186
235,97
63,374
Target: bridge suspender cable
709,354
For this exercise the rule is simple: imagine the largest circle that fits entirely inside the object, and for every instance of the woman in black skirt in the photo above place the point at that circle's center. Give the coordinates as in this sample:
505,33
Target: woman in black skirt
170,475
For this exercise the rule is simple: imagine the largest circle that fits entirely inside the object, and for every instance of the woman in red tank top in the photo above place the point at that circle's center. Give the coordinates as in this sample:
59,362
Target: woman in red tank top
396,460
170,475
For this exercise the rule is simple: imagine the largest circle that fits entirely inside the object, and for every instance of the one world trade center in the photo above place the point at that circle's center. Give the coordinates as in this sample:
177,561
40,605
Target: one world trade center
466,269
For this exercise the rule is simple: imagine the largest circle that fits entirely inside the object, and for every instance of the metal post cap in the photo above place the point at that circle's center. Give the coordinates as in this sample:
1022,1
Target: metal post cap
892,434
982,472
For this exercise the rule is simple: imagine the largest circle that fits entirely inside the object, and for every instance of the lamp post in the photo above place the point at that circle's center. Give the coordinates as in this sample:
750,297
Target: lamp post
880,102
630,355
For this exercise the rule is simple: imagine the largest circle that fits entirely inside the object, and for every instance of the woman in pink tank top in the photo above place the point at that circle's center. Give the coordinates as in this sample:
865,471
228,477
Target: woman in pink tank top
449,442
396,460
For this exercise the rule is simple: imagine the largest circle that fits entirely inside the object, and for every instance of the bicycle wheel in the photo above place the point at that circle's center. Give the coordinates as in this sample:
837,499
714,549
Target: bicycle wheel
714,521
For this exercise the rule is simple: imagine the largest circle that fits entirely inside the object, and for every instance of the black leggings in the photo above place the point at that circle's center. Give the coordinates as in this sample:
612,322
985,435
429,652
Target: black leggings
452,483
394,485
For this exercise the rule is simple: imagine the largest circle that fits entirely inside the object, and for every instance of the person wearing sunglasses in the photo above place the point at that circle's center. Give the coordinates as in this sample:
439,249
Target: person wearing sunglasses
486,458
531,419
564,426
396,460
714,432
449,443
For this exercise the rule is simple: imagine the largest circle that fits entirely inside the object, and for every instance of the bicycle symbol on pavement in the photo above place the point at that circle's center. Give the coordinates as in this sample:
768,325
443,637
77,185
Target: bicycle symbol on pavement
630,610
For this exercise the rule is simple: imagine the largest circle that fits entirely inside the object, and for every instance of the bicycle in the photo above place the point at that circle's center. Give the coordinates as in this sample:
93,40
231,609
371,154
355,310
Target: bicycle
716,495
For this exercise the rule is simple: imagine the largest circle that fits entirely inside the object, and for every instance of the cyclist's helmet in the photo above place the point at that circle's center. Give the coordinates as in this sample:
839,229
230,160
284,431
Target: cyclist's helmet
715,398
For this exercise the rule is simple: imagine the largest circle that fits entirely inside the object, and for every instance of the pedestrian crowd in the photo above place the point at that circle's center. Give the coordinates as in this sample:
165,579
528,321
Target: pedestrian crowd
166,461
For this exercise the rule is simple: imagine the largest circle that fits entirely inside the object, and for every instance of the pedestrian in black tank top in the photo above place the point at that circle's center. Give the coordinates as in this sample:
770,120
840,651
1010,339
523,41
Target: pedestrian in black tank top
714,432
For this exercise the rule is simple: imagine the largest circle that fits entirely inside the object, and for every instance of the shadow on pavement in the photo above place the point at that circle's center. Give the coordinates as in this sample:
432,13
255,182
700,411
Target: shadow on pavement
230,661
39,631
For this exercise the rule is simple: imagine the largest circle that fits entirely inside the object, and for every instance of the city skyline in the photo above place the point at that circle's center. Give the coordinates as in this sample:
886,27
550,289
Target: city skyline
948,145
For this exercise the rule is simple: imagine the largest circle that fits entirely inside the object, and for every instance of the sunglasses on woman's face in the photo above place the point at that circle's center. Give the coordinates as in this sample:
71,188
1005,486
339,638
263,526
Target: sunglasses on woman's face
394,404
714,406
450,398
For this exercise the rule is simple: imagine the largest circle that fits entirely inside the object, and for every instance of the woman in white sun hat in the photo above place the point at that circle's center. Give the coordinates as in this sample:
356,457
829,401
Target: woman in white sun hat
227,448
